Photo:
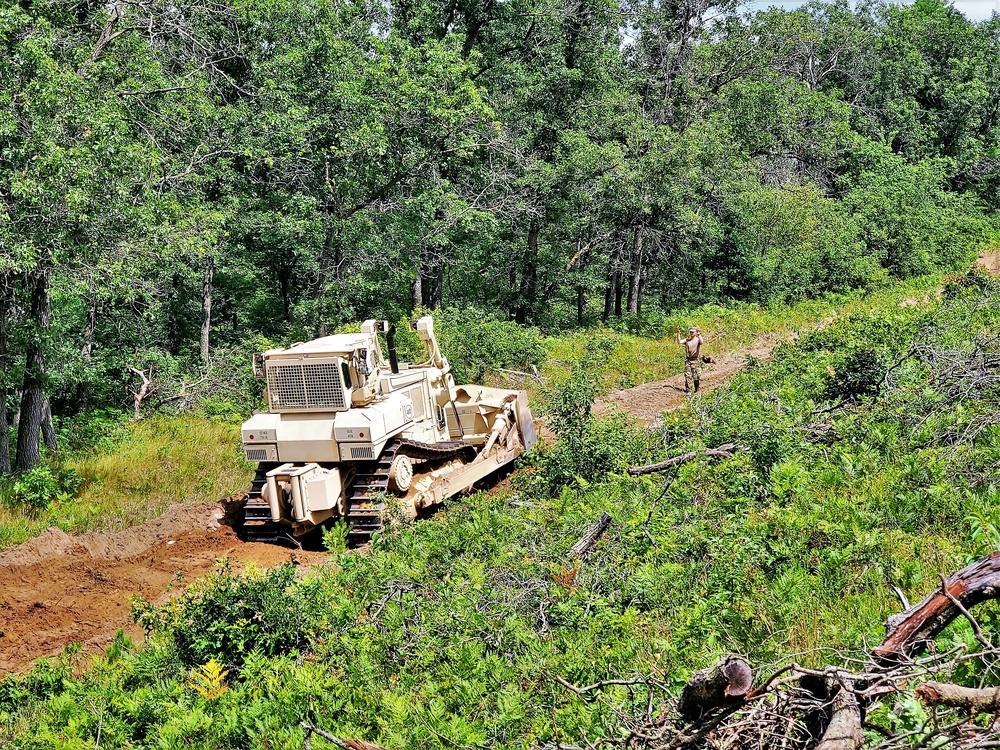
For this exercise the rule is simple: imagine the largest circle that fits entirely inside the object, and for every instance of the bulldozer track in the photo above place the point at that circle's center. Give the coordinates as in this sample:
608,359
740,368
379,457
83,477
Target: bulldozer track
366,491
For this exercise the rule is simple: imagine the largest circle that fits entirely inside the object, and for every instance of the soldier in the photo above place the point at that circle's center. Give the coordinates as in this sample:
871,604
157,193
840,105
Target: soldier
692,352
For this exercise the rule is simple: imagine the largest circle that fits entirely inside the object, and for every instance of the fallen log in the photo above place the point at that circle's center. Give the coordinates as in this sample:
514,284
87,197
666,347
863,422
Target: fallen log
974,700
723,451
594,533
844,730
910,631
725,683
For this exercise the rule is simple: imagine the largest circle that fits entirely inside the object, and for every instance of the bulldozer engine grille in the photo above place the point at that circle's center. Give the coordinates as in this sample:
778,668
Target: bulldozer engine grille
256,454
305,386
365,452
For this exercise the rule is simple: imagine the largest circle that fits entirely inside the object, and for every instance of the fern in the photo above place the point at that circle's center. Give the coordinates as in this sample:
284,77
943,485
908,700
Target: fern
209,680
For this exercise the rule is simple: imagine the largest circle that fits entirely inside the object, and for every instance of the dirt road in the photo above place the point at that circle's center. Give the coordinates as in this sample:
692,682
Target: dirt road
58,589
648,401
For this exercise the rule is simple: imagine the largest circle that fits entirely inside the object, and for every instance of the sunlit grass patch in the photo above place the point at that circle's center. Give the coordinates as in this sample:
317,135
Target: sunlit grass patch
158,462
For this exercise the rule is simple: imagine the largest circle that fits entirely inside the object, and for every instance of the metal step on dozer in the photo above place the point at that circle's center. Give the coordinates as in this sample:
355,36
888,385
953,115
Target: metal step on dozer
346,429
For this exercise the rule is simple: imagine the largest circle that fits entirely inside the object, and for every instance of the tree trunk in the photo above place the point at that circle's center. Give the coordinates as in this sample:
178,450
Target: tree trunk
33,394
529,272
437,289
4,433
86,354
206,306
844,730
173,328
608,296
910,631
418,289
284,274
6,305
618,294
48,428
635,273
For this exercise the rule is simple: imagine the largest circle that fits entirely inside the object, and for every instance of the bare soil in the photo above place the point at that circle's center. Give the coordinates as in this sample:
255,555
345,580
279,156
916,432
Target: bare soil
58,589
990,260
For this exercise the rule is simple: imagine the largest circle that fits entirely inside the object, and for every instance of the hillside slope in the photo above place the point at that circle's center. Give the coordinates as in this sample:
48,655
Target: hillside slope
869,449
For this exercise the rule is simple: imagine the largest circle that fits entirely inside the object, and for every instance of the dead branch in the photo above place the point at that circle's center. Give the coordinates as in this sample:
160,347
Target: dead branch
184,395
312,729
723,451
138,394
594,533
974,700
597,685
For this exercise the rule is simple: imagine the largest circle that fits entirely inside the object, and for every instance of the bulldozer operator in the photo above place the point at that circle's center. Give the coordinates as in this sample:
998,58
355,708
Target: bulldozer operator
692,353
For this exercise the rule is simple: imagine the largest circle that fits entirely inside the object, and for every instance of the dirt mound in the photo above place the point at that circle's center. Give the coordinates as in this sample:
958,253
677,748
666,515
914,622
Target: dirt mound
115,546
58,589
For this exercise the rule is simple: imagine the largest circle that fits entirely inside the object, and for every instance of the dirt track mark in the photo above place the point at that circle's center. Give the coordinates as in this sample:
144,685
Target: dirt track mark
58,589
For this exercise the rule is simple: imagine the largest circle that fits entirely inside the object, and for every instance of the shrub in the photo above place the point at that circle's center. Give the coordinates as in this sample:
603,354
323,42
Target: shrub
226,617
475,342
36,489
860,374
587,448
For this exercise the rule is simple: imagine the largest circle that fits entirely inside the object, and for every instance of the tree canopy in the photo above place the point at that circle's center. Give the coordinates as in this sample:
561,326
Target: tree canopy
180,181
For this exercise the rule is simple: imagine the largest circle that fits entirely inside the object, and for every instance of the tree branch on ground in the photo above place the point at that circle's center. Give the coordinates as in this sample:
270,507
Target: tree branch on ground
723,451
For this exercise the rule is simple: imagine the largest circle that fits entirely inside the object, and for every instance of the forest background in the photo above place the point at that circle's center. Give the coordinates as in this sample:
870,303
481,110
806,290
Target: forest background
182,183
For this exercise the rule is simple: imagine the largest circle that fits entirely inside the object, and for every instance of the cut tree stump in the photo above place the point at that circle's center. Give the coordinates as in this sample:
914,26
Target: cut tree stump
725,683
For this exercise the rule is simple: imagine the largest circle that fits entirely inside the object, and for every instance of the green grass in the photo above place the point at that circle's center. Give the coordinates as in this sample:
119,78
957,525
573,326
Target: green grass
153,464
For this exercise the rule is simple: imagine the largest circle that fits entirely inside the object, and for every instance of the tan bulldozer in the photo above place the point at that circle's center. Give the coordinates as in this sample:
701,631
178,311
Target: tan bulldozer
350,429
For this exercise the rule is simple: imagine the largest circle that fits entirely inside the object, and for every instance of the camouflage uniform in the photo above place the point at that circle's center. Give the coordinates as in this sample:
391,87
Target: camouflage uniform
692,372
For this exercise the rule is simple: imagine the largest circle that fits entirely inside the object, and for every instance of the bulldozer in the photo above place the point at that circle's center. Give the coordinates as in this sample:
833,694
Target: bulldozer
350,430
